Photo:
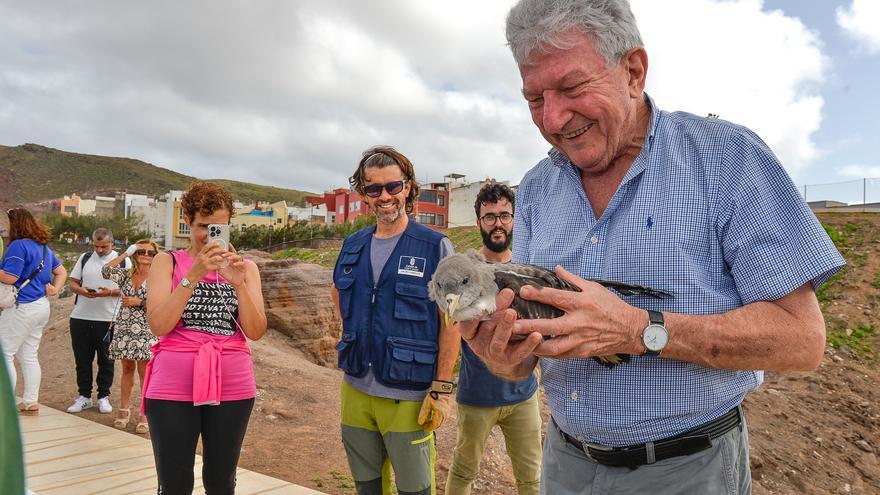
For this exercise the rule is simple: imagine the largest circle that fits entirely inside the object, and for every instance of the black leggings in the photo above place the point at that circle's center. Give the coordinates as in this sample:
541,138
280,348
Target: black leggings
175,427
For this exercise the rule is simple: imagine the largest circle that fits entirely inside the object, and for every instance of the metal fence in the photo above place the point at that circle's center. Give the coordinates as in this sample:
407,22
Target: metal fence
851,192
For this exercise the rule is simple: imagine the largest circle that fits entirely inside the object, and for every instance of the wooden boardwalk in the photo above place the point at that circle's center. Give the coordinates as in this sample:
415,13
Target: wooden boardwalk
66,454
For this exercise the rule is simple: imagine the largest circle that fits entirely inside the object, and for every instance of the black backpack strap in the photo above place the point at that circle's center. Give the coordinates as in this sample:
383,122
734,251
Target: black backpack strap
82,261
82,266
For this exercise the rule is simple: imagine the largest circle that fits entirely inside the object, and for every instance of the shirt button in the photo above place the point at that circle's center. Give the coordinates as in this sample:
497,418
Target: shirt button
594,240
574,396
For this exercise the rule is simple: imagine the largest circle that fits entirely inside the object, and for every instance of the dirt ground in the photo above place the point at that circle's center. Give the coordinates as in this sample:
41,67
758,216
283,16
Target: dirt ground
810,433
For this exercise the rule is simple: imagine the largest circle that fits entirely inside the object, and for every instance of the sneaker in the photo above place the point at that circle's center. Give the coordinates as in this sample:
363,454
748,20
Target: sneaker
79,404
104,405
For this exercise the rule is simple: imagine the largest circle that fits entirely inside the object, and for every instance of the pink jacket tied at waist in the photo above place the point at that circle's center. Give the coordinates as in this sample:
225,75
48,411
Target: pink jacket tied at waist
207,381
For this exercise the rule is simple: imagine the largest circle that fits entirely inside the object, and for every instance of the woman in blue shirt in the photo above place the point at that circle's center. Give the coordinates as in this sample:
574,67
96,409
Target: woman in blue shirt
21,326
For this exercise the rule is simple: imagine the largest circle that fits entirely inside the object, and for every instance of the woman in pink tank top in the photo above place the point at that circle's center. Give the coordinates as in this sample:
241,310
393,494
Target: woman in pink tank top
203,303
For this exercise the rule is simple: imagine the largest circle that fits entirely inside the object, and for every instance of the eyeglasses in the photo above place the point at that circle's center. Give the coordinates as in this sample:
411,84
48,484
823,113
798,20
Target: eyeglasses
375,190
142,252
491,218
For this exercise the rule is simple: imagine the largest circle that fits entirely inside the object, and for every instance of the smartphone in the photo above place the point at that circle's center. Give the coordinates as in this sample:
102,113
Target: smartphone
219,233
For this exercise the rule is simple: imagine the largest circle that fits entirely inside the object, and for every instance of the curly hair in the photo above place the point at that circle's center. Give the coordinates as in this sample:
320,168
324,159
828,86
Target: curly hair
493,192
205,198
23,225
381,157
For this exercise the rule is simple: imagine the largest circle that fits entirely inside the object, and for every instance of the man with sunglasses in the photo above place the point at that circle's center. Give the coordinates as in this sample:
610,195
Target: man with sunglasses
396,351
485,400
93,311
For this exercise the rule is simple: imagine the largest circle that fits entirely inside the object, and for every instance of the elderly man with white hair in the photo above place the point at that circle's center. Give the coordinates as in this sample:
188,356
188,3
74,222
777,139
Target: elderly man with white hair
697,207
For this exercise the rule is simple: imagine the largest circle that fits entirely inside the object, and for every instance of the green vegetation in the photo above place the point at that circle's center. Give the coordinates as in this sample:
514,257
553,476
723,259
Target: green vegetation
297,234
77,227
853,339
39,173
342,480
463,238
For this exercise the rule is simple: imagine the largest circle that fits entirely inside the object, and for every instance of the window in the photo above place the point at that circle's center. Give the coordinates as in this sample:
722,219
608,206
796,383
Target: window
441,200
428,196
440,220
426,218
244,227
278,221
70,209
182,229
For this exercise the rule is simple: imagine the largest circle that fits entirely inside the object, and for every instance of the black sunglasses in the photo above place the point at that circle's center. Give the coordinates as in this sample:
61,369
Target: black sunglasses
375,190
142,252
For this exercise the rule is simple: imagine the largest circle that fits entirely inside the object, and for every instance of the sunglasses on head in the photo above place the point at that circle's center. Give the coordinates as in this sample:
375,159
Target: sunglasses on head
148,252
375,190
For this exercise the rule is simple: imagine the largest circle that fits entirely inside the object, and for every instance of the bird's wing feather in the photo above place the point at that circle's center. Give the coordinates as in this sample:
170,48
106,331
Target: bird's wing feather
514,277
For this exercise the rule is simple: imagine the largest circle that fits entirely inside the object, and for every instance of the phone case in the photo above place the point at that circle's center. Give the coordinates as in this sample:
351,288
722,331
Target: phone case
219,233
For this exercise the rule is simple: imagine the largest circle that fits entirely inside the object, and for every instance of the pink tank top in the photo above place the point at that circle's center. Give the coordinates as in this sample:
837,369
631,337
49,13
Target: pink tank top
205,319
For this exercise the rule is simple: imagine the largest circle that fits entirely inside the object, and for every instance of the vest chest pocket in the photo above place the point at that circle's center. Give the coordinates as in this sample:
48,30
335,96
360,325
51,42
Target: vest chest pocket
410,361
345,290
411,302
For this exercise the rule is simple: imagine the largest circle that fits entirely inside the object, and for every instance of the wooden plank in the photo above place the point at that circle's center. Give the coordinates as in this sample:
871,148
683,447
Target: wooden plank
68,454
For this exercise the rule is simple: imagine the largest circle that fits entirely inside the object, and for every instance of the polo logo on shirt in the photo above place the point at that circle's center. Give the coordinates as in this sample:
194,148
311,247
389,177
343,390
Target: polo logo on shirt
412,266
650,223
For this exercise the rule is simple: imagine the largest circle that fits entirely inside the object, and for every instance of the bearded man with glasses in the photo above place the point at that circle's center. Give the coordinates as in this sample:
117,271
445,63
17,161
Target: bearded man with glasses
396,350
485,400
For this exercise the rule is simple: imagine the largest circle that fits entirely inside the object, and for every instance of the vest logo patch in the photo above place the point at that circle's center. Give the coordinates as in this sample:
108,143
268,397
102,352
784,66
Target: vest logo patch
412,266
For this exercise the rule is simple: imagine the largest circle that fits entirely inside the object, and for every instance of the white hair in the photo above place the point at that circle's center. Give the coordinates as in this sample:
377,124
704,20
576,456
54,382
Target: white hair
535,24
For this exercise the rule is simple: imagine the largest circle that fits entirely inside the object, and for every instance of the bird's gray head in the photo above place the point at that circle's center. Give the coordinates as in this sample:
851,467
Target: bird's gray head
461,279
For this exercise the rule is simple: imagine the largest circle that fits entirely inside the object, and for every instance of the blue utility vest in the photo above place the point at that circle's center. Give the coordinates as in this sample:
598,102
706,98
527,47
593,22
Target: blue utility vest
392,327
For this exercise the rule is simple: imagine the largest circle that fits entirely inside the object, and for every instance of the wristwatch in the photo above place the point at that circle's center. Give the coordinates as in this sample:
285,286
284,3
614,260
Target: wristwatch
441,387
185,283
655,336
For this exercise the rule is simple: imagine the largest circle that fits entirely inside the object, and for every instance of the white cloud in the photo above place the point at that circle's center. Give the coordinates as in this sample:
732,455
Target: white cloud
861,22
752,67
289,93
859,171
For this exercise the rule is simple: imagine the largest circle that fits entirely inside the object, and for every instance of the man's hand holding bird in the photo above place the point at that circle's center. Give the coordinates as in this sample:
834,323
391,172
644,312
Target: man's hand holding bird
560,315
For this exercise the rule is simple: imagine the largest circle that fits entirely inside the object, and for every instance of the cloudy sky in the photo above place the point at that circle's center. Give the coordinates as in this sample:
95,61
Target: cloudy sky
289,93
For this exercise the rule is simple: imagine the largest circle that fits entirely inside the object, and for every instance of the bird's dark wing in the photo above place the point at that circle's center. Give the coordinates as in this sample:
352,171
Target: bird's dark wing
632,289
515,276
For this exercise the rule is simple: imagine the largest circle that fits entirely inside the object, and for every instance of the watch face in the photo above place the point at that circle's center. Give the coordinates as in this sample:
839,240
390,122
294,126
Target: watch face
655,337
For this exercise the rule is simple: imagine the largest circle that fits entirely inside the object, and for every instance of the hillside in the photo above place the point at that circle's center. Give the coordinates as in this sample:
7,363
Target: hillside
35,173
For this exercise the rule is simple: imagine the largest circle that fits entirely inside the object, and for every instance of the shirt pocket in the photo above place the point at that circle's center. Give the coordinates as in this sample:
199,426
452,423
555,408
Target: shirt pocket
411,302
410,361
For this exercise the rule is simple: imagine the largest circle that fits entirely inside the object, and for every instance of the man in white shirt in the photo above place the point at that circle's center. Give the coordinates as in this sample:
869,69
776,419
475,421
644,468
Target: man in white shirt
90,320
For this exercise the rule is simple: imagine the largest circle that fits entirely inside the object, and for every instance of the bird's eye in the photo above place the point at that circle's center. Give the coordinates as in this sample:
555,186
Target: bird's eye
464,281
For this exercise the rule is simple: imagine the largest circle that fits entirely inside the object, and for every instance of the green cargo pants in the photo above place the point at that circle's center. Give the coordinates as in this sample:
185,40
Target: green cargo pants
376,430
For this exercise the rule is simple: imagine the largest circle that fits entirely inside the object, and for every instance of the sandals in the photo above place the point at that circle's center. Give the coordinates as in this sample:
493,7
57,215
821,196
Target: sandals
142,426
122,423
31,409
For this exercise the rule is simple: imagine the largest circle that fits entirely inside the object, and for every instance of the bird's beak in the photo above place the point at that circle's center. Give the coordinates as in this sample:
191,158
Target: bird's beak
451,306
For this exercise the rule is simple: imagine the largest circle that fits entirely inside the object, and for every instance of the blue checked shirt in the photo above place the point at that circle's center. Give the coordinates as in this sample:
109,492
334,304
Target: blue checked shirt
705,211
